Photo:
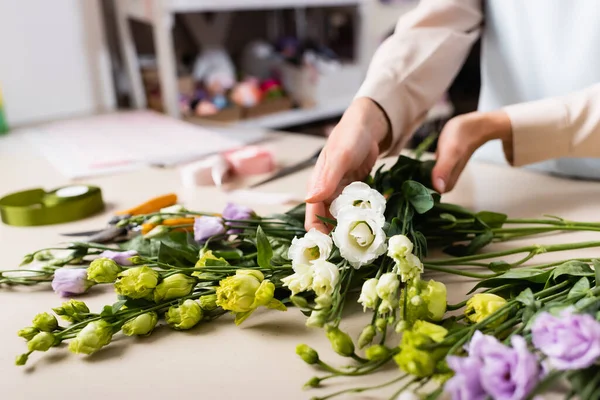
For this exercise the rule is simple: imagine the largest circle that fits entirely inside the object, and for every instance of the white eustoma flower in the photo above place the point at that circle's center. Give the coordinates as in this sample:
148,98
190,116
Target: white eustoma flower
387,286
325,277
409,267
399,246
368,294
313,246
358,195
359,235
301,280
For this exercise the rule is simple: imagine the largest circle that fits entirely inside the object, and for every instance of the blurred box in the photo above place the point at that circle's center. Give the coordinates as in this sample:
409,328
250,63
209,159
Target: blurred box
268,106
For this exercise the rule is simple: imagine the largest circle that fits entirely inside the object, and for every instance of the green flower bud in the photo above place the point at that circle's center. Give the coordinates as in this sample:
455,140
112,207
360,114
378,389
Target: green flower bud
299,301
44,255
27,259
208,302
157,231
307,354
377,353
103,270
436,332
45,322
482,305
313,382
429,301
366,336
381,324
324,301
173,287
205,256
92,338
317,319
136,283
413,358
185,316
41,342
141,325
340,341
245,291
28,333
70,310
22,359
401,326
137,260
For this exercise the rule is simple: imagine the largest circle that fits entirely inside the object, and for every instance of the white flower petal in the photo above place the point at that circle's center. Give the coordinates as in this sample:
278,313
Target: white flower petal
358,195
387,286
359,235
399,246
313,246
300,281
325,277
368,294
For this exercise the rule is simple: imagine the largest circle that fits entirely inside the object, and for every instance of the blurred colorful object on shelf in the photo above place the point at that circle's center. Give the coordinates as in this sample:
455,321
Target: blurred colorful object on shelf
3,123
247,93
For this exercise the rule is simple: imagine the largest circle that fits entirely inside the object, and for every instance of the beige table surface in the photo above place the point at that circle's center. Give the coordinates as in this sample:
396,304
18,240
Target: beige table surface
219,360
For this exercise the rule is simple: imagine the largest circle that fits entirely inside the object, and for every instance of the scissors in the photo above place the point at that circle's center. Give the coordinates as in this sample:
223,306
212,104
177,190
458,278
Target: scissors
309,162
113,232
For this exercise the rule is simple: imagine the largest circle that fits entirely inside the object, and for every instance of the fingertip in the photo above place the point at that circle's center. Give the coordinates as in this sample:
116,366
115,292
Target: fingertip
439,184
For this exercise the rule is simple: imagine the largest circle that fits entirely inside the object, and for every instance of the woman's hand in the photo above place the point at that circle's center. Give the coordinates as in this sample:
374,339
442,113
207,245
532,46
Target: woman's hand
349,155
461,136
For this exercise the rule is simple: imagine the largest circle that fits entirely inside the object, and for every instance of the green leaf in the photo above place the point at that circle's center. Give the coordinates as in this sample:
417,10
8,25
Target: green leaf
587,304
597,271
326,220
453,208
581,288
572,268
450,218
138,243
515,276
241,317
176,257
275,304
395,227
499,266
264,249
118,305
215,263
420,243
419,196
288,219
491,219
231,254
479,242
526,298
107,311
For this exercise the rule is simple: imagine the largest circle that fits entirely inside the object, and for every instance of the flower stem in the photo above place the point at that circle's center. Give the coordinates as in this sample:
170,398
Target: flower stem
360,389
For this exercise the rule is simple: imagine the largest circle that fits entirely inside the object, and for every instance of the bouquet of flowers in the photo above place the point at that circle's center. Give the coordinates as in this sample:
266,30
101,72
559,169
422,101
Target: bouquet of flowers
527,325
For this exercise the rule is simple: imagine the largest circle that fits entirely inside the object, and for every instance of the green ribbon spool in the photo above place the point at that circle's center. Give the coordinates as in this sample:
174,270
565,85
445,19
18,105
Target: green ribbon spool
37,207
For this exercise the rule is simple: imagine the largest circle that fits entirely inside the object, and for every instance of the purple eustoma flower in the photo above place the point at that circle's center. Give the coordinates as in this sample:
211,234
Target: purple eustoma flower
70,281
465,384
570,341
238,213
499,371
506,373
120,257
207,227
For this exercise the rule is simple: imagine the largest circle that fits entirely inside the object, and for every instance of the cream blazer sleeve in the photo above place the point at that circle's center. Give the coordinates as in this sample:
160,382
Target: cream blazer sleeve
413,68
567,126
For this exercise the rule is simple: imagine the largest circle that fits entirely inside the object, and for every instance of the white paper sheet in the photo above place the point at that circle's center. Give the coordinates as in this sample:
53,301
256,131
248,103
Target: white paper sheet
124,141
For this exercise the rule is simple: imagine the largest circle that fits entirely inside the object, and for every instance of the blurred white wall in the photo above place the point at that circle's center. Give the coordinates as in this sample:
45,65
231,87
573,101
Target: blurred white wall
53,60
